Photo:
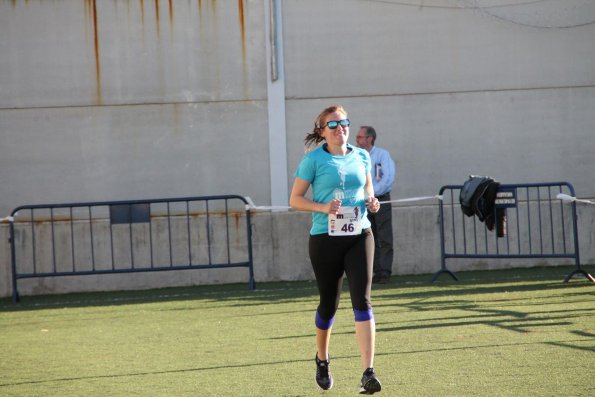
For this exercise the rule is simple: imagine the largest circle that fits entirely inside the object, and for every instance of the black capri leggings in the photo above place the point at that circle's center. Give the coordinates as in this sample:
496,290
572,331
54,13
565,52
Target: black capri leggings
332,257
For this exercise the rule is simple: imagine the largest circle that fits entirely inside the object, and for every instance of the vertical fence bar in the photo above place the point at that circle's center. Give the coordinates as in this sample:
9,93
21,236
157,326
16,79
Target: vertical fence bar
130,240
53,239
13,260
495,232
518,226
111,242
575,235
33,240
171,257
441,217
441,229
249,242
188,233
563,223
442,238
452,214
227,232
529,221
463,232
209,233
72,239
507,235
540,223
475,243
90,213
549,193
507,231
150,237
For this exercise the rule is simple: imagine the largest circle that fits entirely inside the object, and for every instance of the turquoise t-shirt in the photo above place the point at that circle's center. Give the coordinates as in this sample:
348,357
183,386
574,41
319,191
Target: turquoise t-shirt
330,176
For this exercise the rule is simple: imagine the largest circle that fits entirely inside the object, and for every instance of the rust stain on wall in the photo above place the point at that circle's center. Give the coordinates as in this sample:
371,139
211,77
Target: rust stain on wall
92,9
237,217
97,58
157,17
242,27
214,6
142,12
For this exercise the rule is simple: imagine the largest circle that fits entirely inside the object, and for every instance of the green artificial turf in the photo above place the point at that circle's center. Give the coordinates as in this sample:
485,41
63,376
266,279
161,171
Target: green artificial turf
520,332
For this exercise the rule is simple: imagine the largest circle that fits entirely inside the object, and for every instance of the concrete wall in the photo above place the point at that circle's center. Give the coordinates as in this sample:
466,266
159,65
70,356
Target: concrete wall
105,100
108,100
449,90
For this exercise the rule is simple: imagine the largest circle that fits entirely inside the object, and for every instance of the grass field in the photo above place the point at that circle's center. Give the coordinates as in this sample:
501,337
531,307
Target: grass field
502,333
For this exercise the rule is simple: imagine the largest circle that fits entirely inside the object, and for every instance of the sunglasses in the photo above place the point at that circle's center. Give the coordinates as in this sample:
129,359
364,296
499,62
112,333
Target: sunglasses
335,123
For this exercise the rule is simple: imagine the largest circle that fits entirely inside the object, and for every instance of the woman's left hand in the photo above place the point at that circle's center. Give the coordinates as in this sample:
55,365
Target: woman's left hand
372,204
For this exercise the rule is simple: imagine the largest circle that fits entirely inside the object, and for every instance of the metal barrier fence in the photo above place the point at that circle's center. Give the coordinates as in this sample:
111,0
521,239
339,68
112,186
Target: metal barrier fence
75,239
536,225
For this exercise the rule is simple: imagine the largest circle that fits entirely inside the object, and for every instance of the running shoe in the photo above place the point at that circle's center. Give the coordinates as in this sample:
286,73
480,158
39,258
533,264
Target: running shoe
370,383
324,379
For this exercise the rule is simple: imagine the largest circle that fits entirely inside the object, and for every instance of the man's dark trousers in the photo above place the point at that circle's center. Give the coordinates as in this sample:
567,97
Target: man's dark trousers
382,227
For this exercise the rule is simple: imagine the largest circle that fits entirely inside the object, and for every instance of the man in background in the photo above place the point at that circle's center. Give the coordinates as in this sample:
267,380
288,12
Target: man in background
383,176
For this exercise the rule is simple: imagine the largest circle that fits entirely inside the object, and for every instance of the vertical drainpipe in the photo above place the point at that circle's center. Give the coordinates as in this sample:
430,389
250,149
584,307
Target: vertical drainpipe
276,103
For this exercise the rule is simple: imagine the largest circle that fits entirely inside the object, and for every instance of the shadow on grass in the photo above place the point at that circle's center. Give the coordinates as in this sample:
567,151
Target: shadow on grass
145,373
514,324
565,343
236,295
267,293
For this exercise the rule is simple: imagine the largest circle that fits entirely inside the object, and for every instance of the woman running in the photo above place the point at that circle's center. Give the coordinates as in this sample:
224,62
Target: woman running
341,241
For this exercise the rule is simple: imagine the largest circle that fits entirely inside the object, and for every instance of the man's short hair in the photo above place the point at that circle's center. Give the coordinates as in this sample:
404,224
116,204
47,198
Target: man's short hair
370,131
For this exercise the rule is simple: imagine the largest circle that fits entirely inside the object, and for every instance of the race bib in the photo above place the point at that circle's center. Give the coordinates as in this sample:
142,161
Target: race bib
345,223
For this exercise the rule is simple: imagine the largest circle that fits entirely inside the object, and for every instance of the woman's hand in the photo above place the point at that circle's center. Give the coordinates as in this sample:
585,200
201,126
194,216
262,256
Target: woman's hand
333,207
372,204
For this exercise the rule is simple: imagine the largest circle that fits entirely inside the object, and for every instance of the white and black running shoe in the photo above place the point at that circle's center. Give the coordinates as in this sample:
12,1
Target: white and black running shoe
324,379
370,383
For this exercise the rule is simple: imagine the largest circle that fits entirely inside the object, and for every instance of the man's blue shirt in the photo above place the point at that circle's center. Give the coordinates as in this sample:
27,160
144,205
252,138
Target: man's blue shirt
383,171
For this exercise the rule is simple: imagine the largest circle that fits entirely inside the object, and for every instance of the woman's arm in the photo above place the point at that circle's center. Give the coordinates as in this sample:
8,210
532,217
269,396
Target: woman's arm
299,201
369,187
